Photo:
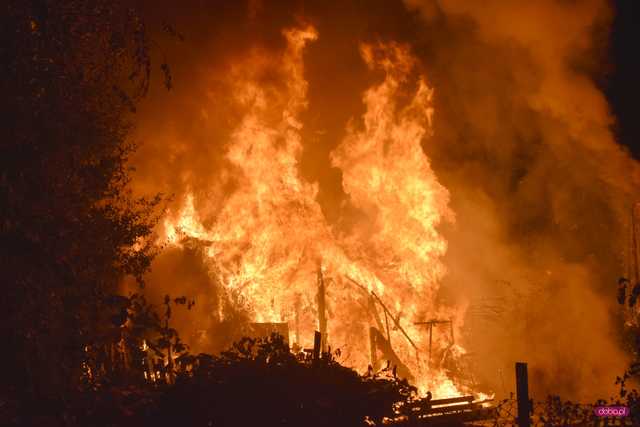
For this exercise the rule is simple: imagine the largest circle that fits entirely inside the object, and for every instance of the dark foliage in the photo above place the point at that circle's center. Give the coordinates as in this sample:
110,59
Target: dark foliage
630,398
256,383
260,382
72,73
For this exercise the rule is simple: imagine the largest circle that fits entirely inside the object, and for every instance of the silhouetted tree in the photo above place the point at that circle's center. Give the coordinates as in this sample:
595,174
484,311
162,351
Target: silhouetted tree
72,72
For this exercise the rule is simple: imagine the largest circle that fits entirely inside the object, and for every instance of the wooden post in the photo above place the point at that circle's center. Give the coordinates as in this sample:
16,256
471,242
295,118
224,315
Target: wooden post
297,319
317,340
322,318
522,393
373,348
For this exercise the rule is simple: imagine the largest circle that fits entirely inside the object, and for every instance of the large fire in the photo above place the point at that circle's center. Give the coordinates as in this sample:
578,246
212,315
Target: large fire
271,246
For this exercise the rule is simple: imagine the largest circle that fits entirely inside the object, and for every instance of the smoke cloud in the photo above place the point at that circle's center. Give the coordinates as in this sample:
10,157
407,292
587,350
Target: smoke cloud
521,139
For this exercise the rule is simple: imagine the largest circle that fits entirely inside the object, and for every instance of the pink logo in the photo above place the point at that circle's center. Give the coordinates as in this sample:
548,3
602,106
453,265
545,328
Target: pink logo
611,411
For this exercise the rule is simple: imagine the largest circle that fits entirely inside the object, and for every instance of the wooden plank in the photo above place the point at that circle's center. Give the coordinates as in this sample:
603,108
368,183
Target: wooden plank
467,416
451,409
449,400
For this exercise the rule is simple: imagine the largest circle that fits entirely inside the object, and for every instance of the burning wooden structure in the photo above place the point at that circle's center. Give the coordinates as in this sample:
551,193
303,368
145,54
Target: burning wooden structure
270,248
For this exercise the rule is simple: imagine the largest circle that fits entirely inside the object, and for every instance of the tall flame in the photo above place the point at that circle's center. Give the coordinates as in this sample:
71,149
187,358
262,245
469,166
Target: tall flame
270,239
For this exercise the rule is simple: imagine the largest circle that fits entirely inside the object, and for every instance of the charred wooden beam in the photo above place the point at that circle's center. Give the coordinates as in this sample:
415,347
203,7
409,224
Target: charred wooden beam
384,307
429,406
397,323
462,414
450,409
450,400
317,343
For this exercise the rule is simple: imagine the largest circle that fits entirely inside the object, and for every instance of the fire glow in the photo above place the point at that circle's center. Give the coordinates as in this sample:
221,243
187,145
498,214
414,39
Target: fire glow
270,245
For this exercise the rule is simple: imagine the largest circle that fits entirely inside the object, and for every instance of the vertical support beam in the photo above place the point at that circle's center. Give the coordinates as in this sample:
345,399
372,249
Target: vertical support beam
317,340
522,393
297,319
322,317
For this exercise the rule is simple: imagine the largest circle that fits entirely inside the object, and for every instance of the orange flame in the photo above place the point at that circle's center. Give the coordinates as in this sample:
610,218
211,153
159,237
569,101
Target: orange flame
268,240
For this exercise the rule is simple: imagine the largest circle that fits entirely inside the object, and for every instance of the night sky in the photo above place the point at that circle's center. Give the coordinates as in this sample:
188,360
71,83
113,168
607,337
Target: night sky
623,88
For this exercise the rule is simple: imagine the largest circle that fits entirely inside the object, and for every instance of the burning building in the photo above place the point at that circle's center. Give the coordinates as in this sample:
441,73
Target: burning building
269,247
390,175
